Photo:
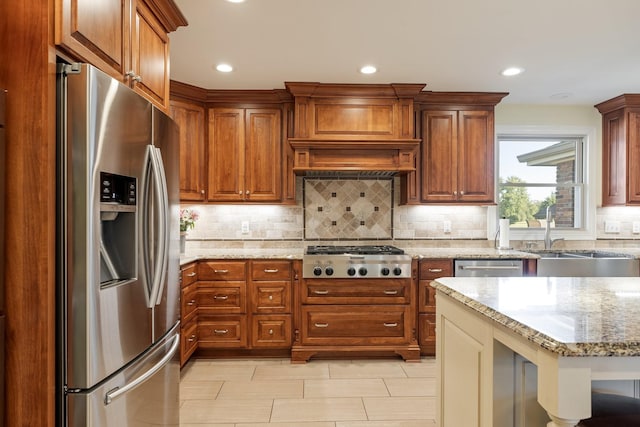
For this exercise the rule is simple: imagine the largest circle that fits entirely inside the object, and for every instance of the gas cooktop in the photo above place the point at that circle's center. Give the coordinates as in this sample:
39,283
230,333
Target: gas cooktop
355,262
357,250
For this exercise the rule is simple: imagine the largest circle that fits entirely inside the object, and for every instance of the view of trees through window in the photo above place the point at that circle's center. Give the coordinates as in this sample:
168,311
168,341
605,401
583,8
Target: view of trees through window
537,175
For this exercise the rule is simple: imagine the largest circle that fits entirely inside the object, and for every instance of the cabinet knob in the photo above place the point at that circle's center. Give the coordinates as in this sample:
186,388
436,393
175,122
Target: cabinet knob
455,193
247,192
462,193
201,191
240,192
270,331
270,297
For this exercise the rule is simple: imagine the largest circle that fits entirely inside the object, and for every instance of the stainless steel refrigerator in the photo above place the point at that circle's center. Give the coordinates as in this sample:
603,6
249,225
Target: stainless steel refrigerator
117,255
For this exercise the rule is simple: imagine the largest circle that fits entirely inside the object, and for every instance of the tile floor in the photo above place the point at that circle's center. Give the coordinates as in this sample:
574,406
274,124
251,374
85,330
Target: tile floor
321,393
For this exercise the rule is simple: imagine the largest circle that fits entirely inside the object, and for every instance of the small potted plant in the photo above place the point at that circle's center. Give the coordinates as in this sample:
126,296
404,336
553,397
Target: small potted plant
188,218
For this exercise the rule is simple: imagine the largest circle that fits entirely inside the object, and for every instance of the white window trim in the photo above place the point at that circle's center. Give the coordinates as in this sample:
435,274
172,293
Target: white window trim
591,182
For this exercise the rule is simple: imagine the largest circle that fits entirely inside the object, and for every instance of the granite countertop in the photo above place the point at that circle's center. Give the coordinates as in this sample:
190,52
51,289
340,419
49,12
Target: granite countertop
297,253
589,316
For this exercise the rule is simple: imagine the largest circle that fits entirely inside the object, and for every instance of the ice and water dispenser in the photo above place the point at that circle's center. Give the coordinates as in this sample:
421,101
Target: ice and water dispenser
118,197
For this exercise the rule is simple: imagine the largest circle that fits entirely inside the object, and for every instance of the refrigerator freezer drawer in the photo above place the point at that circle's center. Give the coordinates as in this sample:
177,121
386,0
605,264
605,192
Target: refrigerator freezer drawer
154,402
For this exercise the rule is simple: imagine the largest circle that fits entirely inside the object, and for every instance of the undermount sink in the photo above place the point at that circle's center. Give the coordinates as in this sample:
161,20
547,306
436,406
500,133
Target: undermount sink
586,264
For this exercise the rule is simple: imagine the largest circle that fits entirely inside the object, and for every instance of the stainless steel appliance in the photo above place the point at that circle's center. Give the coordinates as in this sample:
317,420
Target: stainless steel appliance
117,256
355,262
488,268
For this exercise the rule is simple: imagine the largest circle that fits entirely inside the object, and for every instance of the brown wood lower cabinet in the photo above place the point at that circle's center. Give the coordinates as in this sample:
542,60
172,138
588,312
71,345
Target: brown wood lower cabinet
237,307
430,269
356,316
229,331
271,331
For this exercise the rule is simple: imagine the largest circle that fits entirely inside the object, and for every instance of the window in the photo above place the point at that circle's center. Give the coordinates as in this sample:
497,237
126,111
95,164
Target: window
541,179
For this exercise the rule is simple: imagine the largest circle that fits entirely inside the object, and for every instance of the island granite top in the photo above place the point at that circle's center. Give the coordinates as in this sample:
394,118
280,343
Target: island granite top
588,316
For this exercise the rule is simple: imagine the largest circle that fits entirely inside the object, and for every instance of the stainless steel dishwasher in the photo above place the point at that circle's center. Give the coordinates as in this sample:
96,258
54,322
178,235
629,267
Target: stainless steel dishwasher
488,268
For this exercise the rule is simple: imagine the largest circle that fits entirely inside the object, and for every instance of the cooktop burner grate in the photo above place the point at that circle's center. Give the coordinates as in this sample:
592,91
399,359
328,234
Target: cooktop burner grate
359,250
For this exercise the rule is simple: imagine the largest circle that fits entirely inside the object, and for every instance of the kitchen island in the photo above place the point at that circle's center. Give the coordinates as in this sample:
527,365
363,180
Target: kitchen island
574,330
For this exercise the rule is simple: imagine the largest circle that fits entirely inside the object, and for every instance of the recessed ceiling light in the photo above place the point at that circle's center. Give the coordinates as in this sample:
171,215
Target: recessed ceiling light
561,95
368,69
511,71
224,68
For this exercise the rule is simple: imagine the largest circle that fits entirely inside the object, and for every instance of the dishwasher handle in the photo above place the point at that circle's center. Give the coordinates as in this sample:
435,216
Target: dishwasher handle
488,267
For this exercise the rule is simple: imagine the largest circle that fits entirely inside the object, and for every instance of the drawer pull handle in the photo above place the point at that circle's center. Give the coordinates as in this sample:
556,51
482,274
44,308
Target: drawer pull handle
390,325
221,297
435,270
321,292
221,271
192,302
220,331
272,270
321,325
192,274
192,338
391,292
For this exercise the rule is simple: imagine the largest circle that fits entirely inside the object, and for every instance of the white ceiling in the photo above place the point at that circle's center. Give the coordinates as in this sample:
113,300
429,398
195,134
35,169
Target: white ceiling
588,49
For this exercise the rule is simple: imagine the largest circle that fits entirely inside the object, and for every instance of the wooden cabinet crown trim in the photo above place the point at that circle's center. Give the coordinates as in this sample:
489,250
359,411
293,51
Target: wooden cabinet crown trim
167,13
627,100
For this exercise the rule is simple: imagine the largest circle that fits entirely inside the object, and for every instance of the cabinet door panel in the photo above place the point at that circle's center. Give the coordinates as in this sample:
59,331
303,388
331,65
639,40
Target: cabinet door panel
190,120
97,31
263,155
633,151
150,57
271,331
475,156
226,154
439,155
613,159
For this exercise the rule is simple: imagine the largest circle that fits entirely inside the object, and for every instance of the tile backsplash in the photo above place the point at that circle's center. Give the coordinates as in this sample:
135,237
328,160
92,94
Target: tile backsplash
348,209
220,224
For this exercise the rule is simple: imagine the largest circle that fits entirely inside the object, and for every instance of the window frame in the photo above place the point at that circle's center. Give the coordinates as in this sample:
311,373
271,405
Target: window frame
589,180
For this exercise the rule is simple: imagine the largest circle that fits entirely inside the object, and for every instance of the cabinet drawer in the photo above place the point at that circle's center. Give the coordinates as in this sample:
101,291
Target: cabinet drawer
271,297
227,297
435,268
221,270
188,302
426,297
222,331
270,270
355,325
189,275
373,291
271,331
188,340
427,332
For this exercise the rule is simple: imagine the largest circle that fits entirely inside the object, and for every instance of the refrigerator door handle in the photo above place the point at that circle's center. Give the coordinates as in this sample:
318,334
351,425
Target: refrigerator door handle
163,214
111,395
154,175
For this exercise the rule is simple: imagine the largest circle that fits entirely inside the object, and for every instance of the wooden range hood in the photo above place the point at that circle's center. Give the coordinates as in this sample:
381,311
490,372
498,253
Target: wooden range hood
353,128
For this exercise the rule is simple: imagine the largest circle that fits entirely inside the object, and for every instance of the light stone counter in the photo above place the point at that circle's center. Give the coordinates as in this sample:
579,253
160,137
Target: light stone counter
588,316
573,330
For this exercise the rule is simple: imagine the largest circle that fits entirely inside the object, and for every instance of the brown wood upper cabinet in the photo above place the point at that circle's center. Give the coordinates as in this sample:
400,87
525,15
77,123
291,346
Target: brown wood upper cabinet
124,38
190,119
245,155
620,150
456,163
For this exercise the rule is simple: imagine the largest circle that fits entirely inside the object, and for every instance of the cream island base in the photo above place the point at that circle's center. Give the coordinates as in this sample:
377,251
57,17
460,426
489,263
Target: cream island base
573,330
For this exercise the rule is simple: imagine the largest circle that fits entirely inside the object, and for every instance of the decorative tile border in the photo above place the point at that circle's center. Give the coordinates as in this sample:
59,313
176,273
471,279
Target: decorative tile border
348,209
